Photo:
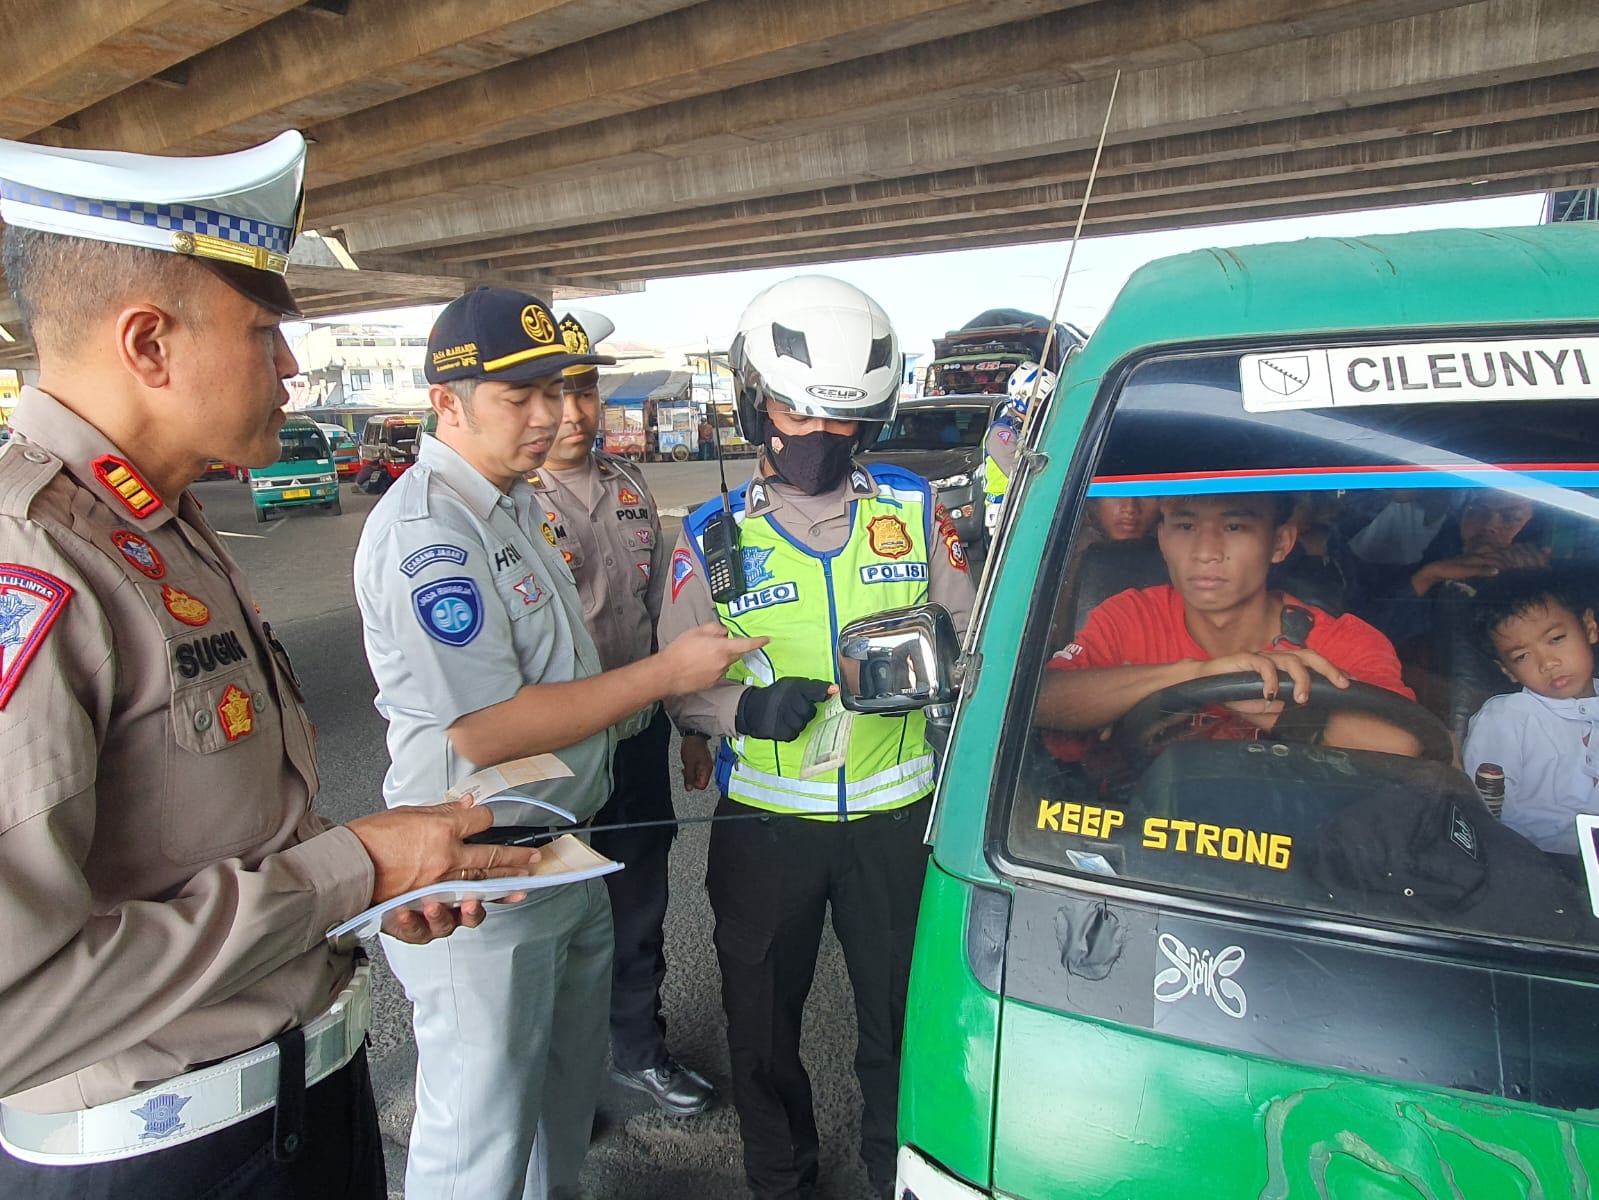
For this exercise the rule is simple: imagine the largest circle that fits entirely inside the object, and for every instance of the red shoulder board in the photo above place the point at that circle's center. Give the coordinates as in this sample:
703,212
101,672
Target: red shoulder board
30,602
119,477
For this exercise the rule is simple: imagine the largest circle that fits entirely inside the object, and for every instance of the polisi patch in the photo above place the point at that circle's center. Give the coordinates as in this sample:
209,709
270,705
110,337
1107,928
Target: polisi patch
138,551
682,568
30,603
646,537
208,653
767,597
627,496
449,610
530,590
413,563
894,573
191,610
888,537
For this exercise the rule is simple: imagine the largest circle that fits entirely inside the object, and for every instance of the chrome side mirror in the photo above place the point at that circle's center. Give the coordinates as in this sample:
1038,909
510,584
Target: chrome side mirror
899,661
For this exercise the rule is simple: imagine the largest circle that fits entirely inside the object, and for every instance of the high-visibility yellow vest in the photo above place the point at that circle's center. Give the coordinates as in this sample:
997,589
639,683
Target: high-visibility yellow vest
801,599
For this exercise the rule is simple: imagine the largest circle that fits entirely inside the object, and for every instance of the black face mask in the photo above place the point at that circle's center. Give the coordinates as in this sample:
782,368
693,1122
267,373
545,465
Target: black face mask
814,463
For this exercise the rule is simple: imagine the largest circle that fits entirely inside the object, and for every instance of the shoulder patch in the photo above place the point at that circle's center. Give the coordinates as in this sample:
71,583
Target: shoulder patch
428,555
30,603
682,569
449,610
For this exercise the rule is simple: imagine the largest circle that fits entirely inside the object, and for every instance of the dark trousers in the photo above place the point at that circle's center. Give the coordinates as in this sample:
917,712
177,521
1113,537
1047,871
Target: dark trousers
770,884
341,1158
641,791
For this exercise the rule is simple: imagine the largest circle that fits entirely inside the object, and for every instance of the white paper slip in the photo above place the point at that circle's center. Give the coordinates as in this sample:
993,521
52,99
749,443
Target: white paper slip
565,860
512,782
829,744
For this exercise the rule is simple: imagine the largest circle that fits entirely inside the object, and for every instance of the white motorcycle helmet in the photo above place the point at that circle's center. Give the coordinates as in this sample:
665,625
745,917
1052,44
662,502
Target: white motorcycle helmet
823,347
1023,381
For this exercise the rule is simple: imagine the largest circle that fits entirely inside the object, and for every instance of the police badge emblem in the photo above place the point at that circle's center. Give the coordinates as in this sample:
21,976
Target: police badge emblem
161,1115
888,537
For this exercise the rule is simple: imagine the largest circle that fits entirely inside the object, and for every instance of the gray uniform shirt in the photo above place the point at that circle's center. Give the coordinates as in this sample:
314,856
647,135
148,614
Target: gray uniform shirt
464,600
164,884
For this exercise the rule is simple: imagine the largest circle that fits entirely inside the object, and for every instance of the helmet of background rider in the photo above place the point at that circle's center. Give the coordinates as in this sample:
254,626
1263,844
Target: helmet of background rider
821,346
1024,380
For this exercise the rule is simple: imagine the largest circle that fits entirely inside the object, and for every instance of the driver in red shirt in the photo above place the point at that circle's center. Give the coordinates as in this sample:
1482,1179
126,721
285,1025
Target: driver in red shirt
1217,617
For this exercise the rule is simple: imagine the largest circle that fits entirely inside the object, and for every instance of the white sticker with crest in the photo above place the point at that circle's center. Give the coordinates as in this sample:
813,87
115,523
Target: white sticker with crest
1564,368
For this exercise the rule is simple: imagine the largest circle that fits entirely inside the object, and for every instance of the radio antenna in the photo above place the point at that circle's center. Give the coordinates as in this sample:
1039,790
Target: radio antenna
1077,233
716,426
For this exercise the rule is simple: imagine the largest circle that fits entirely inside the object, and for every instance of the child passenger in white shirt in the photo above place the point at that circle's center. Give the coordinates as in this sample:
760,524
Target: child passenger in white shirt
1542,736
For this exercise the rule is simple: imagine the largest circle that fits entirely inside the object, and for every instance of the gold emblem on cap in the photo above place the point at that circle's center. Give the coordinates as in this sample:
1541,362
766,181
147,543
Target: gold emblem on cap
183,243
537,325
577,341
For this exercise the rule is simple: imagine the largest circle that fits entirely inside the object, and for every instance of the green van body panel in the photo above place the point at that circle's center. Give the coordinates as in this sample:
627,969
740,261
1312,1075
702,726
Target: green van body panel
1040,1105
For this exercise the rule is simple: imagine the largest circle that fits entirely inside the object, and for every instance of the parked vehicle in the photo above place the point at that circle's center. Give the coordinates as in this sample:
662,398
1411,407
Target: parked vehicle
388,444
1166,964
980,356
346,451
303,475
942,440
215,468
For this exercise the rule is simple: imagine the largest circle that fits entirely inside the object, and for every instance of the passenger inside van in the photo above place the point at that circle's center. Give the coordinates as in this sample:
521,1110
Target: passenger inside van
1217,616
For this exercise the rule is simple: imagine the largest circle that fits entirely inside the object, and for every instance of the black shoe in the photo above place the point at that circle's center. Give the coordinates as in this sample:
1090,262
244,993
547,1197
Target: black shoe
678,1091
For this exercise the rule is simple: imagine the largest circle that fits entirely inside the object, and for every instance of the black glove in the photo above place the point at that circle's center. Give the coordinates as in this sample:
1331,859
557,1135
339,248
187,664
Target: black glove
781,710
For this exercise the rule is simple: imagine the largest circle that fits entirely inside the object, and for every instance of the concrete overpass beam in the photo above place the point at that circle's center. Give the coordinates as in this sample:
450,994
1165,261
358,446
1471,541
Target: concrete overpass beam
1466,47
61,58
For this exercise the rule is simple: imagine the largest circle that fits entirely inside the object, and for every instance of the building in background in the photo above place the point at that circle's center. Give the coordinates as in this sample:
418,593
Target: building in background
10,392
355,366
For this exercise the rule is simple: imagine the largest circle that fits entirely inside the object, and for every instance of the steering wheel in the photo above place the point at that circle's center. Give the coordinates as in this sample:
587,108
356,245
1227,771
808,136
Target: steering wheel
1138,727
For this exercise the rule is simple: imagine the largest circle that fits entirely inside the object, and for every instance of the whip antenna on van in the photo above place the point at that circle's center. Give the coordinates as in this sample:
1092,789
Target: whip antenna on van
724,561
1077,233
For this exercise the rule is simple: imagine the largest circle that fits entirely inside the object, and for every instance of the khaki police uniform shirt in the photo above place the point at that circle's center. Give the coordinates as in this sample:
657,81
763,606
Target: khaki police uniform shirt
164,884
608,531
464,600
822,523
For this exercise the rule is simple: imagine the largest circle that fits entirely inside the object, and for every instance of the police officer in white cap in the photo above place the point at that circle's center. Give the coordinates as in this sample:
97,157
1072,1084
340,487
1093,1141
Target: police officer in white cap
608,530
175,1022
474,632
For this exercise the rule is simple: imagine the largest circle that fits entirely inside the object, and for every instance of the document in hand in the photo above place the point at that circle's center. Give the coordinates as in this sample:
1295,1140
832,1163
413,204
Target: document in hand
565,860
514,780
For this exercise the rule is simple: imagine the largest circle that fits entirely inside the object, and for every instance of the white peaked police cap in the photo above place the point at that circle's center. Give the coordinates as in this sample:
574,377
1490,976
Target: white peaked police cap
235,214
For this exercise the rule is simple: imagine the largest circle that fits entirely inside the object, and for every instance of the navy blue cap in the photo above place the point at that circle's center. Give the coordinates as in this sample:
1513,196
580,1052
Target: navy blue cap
504,336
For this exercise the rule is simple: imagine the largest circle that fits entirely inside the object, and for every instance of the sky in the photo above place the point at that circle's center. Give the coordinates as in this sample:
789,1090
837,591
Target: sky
928,294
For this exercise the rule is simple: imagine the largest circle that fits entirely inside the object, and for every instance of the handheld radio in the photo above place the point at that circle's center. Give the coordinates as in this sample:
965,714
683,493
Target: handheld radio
724,561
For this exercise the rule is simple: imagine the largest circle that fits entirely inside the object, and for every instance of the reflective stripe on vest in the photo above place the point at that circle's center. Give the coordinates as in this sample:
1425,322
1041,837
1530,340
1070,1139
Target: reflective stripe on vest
789,588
